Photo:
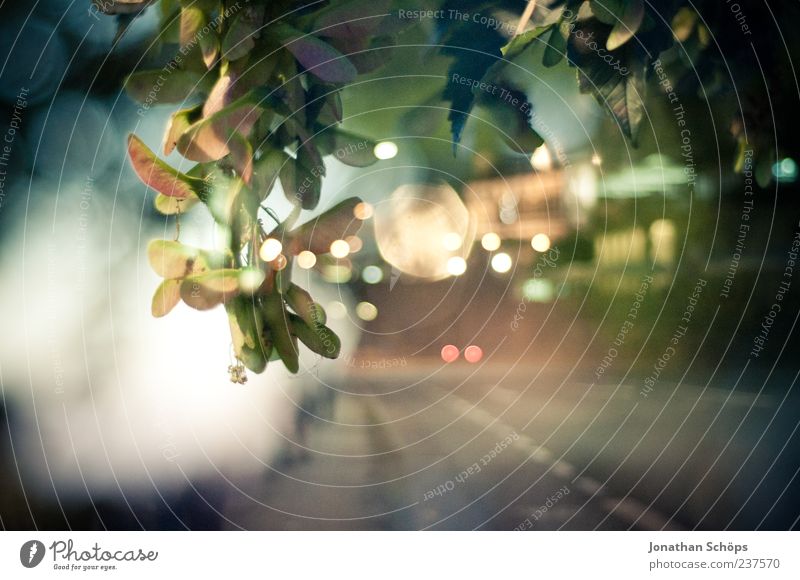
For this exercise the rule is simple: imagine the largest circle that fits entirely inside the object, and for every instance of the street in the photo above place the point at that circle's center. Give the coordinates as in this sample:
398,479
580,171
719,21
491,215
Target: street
496,448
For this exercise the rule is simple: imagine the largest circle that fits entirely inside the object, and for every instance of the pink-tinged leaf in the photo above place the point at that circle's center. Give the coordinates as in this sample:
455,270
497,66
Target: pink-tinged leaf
167,295
178,124
204,291
208,139
159,176
317,56
242,156
318,234
172,260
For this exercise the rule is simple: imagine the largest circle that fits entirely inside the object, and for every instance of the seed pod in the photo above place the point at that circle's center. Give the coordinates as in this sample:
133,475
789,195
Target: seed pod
277,319
320,339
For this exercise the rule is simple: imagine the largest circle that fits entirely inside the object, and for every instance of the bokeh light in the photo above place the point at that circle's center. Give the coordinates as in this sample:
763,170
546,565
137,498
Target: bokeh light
372,274
250,279
473,353
490,241
363,210
501,262
340,249
385,150
449,353
270,249
366,311
306,259
540,242
355,243
456,266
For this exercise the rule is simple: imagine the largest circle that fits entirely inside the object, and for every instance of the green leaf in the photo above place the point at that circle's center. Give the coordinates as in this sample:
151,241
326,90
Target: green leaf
627,26
242,32
179,122
266,170
608,11
121,6
241,156
350,149
173,205
318,234
152,87
247,333
192,32
170,259
159,176
556,46
277,320
208,139
301,185
206,290
521,42
167,295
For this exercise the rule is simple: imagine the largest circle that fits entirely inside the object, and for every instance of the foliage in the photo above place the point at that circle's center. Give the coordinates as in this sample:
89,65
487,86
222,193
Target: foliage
263,106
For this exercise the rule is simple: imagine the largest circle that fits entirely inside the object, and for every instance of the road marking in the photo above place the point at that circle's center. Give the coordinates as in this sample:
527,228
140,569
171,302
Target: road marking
628,509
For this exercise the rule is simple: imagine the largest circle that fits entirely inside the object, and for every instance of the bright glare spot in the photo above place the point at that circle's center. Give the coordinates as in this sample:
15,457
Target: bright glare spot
336,310
451,241
596,160
540,242
250,279
456,266
490,241
363,210
366,311
280,262
385,150
540,160
473,353
340,249
306,259
270,249
501,262
785,170
538,290
372,274
449,353
355,243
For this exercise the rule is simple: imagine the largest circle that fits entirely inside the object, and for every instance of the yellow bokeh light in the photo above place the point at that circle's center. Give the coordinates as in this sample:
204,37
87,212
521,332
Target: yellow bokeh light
456,266
270,249
366,311
501,262
363,210
385,150
306,259
490,241
340,249
540,242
